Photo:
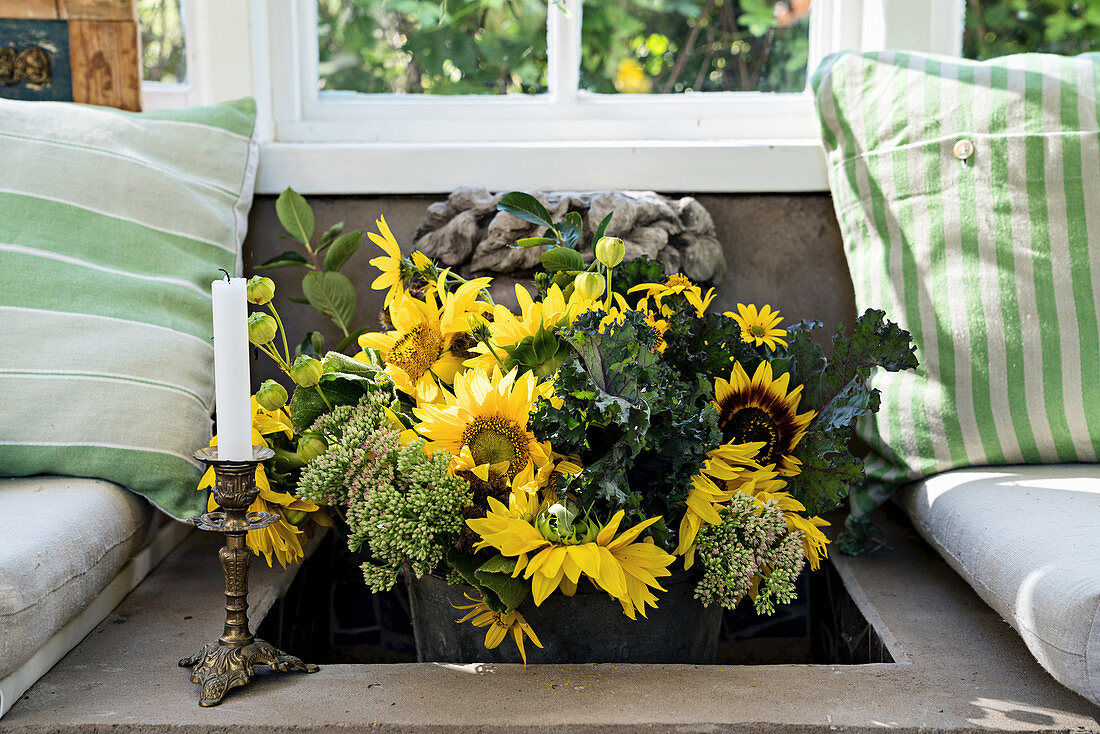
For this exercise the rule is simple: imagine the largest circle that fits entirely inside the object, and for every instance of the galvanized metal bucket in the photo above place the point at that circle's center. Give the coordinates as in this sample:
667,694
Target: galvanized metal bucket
589,627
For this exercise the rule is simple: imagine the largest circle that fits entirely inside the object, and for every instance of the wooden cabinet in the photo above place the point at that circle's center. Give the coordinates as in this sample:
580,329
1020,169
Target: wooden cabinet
80,50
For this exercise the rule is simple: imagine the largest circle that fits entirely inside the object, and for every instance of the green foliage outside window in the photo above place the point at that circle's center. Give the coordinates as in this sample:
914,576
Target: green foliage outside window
499,46
162,48
1001,27
433,46
664,46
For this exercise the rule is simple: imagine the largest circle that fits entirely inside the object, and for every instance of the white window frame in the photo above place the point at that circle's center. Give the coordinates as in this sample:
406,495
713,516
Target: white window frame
218,48
565,140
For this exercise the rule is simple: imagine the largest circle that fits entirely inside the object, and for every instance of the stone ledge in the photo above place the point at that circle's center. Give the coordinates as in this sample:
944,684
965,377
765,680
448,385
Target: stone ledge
967,671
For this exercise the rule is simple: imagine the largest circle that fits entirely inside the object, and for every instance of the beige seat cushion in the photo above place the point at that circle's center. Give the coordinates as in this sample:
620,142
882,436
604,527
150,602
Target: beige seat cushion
62,540
1025,537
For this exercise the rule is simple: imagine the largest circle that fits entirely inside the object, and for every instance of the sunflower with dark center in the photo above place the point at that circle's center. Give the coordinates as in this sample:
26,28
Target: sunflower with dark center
762,410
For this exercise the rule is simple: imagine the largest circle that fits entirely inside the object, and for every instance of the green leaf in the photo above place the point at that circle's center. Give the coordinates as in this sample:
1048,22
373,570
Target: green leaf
295,215
545,345
467,566
306,405
757,16
601,230
827,473
526,207
342,364
839,391
343,380
313,345
496,574
343,248
332,294
350,339
525,242
570,228
562,258
635,272
874,343
614,359
330,235
285,260
298,299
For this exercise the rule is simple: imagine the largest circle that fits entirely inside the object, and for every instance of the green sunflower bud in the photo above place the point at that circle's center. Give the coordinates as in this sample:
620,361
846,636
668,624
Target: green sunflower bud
610,251
295,517
311,445
271,395
306,371
261,328
561,523
260,290
589,285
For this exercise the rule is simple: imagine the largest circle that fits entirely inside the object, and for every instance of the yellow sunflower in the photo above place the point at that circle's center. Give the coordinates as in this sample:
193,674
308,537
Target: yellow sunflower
624,569
394,268
762,410
417,352
281,539
499,624
759,328
484,424
674,285
536,320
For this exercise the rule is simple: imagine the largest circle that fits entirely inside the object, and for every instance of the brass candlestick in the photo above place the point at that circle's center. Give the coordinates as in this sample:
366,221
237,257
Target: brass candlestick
231,661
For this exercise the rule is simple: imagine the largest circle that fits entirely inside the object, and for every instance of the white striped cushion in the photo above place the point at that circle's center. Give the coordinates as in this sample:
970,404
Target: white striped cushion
991,261
112,226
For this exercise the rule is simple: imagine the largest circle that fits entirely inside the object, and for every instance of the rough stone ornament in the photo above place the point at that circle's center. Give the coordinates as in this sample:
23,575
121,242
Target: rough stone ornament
466,232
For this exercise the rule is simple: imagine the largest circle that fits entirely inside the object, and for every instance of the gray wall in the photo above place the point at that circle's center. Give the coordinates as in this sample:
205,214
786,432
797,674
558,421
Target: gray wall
784,250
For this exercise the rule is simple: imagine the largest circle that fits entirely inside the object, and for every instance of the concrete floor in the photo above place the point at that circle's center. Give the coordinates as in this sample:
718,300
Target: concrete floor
963,670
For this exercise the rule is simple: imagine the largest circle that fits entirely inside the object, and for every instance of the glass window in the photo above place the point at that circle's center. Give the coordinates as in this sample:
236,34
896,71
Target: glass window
1001,27
162,47
432,46
670,46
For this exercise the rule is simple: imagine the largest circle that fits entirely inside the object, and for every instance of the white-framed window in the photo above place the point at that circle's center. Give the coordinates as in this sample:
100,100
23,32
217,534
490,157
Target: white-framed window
565,138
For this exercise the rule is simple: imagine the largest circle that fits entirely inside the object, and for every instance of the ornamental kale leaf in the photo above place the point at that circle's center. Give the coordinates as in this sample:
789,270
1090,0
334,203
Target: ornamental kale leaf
838,390
641,432
706,347
635,272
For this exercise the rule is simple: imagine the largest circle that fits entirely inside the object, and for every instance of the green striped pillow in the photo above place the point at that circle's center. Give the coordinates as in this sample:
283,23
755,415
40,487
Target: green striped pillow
968,195
112,226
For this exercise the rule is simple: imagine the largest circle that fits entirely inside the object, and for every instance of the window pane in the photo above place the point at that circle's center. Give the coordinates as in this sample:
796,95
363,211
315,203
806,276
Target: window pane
433,46
162,49
1000,27
668,46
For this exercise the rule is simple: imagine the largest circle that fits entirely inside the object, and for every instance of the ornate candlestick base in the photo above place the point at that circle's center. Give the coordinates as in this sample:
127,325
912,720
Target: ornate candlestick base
231,661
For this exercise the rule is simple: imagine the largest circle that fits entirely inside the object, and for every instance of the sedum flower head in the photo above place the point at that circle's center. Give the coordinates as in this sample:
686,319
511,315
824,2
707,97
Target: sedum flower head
409,520
401,504
751,552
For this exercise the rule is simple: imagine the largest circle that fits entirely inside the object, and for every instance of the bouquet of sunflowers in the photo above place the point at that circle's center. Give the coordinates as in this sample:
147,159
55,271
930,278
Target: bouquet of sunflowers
609,427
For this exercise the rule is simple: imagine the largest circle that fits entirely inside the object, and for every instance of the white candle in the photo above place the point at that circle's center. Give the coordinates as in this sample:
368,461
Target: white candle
232,395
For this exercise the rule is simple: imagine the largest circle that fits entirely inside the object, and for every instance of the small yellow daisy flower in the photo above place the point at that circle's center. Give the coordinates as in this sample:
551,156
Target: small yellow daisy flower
759,328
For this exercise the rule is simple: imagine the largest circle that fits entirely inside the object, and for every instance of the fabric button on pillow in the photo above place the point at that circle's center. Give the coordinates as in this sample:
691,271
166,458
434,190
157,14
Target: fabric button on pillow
112,227
968,196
